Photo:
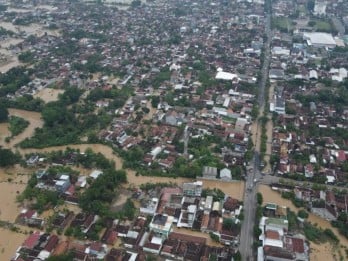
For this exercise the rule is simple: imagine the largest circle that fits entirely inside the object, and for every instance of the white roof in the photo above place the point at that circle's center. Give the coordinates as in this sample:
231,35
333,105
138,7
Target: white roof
95,173
273,242
60,183
330,179
320,38
225,173
64,177
156,240
225,76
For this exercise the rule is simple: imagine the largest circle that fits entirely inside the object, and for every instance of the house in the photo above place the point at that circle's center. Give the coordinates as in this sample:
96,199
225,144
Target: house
95,174
193,189
276,74
32,240
96,249
208,204
33,160
209,172
231,207
63,183
30,218
109,237
149,206
225,174
309,171
161,225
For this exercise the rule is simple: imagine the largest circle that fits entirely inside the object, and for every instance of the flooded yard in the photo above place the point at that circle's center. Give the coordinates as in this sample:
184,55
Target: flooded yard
318,250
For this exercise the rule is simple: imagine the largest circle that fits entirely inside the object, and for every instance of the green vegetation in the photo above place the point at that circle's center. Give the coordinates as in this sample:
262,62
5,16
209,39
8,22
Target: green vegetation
8,158
214,237
12,80
318,235
25,102
3,113
98,197
216,193
291,196
263,146
162,76
63,257
283,24
259,198
341,224
302,214
17,125
60,124
5,32
322,26
26,57
292,220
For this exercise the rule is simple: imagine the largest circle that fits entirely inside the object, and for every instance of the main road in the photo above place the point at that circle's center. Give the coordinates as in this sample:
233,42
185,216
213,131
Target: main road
254,175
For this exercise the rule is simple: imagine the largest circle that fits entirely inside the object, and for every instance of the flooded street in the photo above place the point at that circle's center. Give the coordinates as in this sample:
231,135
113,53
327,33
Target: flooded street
319,250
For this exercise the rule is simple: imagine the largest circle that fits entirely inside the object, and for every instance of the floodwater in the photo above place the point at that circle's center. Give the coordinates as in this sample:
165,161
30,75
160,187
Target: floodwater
9,209
9,242
32,29
35,122
48,94
9,189
234,189
319,250
13,181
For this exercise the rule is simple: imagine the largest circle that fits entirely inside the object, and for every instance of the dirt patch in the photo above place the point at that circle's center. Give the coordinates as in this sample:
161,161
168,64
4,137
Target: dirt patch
322,252
48,94
122,197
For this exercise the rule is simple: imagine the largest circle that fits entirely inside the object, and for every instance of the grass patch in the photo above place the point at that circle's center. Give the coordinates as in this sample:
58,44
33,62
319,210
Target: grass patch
318,235
321,26
283,24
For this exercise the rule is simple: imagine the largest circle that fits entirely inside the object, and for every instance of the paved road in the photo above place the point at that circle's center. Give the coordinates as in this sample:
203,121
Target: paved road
247,236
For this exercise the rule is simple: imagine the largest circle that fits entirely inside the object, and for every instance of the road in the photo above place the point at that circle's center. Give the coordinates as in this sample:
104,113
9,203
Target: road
254,175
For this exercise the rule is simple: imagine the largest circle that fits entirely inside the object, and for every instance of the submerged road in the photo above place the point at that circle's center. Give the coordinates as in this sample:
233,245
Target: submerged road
254,174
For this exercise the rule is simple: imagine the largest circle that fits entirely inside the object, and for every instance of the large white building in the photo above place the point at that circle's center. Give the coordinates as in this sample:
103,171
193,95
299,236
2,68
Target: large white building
320,40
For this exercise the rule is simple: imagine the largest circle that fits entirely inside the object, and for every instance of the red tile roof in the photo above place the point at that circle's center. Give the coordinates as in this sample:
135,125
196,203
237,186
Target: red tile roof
32,240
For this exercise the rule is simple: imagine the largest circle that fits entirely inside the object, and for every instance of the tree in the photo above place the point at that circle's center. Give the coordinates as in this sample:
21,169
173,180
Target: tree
302,214
3,113
64,257
135,3
259,198
7,158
